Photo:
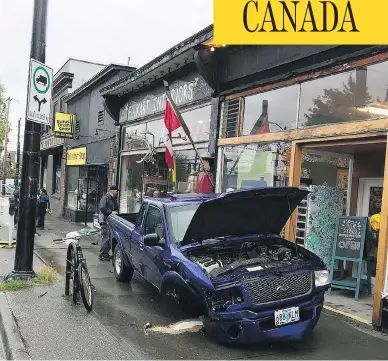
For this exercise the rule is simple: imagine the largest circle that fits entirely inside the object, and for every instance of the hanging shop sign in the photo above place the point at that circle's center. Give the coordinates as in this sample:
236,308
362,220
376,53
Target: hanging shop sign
184,91
64,125
76,156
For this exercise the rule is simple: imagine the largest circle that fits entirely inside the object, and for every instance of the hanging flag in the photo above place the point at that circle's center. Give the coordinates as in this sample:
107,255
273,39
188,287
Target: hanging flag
176,121
171,122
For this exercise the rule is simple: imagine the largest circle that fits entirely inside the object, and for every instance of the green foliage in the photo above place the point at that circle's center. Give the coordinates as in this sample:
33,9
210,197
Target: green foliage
3,116
337,105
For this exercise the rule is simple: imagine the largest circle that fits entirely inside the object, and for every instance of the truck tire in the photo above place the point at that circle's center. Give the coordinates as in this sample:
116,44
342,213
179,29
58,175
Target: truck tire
122,272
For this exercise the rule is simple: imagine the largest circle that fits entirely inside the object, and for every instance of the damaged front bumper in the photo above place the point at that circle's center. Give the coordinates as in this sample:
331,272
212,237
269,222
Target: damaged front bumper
249,326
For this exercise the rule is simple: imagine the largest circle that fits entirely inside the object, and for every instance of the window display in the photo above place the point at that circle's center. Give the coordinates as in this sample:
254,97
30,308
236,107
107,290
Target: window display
255,165
131,183
85,187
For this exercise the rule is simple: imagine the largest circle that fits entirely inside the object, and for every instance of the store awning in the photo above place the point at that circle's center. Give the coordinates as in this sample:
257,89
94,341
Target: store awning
50,151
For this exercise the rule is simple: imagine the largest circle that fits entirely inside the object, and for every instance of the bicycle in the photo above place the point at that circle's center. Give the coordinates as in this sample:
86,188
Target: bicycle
77,274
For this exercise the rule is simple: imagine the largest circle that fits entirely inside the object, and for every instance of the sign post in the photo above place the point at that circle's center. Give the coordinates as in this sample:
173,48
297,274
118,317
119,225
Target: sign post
40,87
37,113
349,245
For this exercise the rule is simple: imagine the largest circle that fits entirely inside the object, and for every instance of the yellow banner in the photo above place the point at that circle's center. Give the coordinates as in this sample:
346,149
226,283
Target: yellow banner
76,156
64,125
301,22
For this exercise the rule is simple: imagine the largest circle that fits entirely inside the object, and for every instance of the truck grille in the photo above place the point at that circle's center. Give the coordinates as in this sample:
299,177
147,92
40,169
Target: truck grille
277,288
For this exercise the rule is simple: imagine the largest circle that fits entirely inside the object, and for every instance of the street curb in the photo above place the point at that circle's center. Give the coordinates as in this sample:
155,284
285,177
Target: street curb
348,317
37,255
11,339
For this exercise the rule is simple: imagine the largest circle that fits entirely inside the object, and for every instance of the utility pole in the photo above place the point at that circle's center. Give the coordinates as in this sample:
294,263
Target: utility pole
24,253
17,171
6,130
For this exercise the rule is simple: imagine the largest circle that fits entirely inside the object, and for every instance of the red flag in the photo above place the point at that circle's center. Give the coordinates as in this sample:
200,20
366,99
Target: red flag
171,123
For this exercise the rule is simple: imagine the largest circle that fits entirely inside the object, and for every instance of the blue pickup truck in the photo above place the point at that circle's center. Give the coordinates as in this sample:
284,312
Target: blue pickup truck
223,253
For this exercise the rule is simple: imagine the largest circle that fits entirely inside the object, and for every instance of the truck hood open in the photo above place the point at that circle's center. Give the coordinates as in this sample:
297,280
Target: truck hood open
241,213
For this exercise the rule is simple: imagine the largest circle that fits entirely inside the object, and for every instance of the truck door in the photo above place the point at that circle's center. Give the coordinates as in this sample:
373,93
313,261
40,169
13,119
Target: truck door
152,257
136,241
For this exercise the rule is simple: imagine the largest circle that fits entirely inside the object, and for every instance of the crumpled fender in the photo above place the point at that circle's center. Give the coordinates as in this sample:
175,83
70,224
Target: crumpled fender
173,277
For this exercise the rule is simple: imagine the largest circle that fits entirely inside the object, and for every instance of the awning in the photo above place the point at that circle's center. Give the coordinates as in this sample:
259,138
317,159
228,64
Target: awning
51,151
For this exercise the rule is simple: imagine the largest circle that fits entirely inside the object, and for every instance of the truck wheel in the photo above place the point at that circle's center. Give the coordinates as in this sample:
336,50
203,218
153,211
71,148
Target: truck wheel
123,273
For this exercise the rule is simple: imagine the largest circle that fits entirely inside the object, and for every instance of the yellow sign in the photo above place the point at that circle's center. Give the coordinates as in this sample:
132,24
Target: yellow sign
76,156
297,22
64,125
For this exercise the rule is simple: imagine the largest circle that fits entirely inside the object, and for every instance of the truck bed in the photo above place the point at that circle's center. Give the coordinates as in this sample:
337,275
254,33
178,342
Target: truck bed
128,220
129,217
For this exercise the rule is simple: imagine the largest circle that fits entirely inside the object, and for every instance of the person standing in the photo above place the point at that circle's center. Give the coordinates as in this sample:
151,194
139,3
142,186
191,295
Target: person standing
43,207
16,195
108,206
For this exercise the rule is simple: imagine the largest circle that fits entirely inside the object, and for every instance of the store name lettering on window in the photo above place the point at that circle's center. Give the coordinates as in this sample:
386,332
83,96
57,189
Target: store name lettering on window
153,104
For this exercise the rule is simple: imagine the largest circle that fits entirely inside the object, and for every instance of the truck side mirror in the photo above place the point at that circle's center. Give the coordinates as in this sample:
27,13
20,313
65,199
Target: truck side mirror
151,240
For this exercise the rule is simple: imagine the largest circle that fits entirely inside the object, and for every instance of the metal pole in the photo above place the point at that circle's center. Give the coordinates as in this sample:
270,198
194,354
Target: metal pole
17,173
6,129
87,194
24,253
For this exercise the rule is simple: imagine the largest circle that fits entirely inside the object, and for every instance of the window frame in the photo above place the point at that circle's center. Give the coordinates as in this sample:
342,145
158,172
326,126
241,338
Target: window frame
321,73
137,225
54,180
151,206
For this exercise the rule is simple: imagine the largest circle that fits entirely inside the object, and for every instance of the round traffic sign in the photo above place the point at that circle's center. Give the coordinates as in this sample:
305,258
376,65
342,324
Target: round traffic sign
41,81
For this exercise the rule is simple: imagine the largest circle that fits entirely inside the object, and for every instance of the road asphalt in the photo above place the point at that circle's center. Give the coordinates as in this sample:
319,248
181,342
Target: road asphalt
115,328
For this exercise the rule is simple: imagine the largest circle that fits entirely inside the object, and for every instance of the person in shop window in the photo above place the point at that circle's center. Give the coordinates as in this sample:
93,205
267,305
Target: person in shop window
205,181
43,207
108,206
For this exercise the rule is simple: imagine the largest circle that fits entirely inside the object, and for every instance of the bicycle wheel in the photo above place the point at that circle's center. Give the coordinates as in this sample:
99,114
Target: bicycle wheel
85,286
72,284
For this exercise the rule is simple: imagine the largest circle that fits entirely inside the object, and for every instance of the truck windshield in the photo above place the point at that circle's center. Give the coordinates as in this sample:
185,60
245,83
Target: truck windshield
180,217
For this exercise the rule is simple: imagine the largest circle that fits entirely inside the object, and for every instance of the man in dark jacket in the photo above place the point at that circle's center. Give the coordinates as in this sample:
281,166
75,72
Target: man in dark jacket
108,206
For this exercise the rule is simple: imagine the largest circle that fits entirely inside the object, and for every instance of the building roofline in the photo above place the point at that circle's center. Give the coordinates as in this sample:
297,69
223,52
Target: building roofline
192,41
96,78
79,60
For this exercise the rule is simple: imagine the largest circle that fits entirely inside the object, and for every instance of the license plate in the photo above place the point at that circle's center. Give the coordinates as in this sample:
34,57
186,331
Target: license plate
288,315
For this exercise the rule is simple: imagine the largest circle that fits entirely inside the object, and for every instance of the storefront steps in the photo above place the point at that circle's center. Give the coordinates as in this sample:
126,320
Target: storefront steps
342,303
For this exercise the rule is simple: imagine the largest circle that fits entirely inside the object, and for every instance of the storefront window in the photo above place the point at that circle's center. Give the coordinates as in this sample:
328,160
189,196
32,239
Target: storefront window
255,165
57,162
359,94
156,129
272,111
44,172
198,122
86,186
72,187
131,184
133,137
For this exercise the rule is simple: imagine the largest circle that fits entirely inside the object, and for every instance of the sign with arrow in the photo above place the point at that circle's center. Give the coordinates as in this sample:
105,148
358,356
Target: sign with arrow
40,87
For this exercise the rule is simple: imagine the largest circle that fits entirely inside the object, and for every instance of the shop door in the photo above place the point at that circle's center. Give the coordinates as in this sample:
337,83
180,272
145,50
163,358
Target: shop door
369,196
370,192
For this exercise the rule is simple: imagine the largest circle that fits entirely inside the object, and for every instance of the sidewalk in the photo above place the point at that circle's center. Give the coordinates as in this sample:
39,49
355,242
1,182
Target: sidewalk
42,324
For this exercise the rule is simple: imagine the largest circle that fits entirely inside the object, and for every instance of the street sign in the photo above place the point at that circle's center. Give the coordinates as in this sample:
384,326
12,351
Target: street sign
40,86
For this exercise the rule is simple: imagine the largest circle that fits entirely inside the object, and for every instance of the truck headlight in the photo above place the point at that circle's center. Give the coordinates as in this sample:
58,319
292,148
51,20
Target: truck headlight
322,278
222,299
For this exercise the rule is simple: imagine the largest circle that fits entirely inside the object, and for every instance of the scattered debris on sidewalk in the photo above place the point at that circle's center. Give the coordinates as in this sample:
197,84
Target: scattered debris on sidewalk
179,327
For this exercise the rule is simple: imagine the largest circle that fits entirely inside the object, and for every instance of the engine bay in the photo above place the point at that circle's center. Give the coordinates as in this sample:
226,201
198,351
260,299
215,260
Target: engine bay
254,256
